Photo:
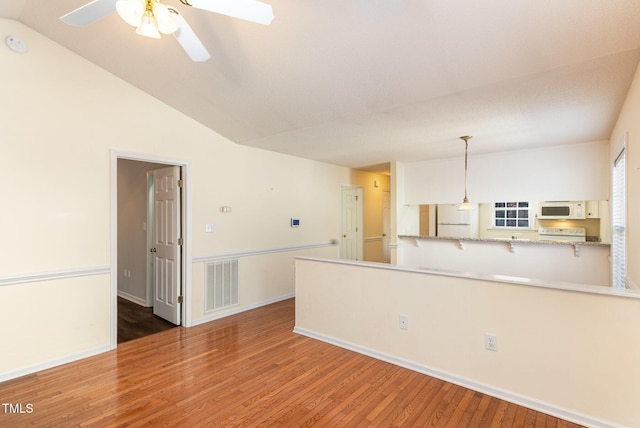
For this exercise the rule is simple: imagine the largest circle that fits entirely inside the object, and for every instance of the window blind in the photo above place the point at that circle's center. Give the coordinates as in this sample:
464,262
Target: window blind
618,247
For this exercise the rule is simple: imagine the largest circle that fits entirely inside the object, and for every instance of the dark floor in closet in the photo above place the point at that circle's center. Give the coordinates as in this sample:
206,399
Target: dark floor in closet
136,321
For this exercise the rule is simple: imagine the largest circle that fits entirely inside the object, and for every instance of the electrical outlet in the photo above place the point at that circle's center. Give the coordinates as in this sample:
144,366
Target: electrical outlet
490,342
404,322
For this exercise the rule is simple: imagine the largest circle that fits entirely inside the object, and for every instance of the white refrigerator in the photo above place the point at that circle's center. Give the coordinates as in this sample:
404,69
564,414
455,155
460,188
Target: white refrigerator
453,223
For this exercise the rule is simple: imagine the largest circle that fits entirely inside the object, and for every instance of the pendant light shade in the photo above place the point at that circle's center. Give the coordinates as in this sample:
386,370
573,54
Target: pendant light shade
149,26
465,205
131,11
150,17
167,17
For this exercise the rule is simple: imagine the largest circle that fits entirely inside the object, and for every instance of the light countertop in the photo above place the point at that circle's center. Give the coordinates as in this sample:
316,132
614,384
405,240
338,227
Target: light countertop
511,241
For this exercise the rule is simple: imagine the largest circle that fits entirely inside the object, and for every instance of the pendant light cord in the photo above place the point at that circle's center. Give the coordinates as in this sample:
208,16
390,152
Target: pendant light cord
466,139
466,148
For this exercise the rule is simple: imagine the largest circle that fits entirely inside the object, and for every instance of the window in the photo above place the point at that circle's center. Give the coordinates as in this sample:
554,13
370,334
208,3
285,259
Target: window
512,215
618,244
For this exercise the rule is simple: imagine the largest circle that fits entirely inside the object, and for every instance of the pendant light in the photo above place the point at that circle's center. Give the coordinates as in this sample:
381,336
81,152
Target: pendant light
465,205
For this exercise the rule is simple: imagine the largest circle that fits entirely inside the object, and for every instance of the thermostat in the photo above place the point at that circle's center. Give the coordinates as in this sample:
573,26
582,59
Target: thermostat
295,222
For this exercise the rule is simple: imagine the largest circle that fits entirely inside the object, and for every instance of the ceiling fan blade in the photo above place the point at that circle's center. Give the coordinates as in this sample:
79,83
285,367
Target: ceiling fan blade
250,10
190,42
89,13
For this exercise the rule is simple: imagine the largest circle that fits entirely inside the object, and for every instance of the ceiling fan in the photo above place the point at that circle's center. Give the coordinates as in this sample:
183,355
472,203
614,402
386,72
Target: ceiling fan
152,17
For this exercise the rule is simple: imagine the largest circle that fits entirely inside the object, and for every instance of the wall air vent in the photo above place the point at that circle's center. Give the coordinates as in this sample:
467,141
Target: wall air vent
221,282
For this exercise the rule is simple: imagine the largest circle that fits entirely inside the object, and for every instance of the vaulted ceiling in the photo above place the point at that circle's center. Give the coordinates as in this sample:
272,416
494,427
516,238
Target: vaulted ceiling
363,82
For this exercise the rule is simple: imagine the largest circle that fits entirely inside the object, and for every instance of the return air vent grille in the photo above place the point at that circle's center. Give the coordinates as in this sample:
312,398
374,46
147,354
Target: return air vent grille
221,284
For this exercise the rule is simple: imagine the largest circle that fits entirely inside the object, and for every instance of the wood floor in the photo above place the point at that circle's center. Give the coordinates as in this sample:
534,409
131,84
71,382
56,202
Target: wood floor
248,370
135,321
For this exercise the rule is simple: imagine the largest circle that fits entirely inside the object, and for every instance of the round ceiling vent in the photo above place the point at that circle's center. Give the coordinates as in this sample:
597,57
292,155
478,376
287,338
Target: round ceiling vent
16,44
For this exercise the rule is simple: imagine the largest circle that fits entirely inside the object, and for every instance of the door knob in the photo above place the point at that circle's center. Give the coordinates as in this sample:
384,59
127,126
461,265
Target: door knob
153,250
344,236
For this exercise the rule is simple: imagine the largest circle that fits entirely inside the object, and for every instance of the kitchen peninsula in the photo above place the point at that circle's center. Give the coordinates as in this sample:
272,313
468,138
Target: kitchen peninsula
512,242
519,239
545,356
583,262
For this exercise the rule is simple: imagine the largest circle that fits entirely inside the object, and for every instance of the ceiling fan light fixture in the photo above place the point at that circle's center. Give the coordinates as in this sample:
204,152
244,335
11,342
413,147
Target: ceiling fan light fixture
148,26
131,11
168,18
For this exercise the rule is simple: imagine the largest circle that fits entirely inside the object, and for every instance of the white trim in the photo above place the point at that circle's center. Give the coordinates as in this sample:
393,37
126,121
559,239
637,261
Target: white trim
135,299
187,215
238,309
53,275
258,252
515,280
113,220
540,406
52,363
373,239
187,247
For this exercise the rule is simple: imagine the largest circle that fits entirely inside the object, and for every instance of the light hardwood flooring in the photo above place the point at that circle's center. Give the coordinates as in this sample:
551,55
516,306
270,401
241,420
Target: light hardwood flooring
248,370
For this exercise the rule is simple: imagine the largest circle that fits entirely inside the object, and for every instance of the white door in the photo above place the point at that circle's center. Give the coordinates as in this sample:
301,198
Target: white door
166,249
386,225
351,243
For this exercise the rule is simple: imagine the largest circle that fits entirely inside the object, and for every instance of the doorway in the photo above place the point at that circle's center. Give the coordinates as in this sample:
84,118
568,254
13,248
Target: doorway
149,219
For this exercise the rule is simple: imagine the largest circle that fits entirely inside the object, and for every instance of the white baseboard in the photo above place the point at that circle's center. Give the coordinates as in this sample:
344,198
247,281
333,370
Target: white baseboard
134,299
531,403
52,363
238,309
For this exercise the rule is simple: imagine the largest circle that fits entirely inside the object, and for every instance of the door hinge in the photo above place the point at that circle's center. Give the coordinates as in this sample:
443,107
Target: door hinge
180,241
180,183
180,299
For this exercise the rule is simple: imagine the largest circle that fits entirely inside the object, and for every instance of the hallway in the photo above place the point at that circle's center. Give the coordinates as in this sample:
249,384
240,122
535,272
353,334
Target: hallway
135,321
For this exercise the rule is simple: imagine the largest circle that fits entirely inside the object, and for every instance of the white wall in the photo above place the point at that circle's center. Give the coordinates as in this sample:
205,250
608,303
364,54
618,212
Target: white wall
628,123
567,353
60,120
572,172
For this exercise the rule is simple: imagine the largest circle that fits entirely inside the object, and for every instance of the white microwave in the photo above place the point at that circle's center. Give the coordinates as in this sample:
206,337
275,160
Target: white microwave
555,210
